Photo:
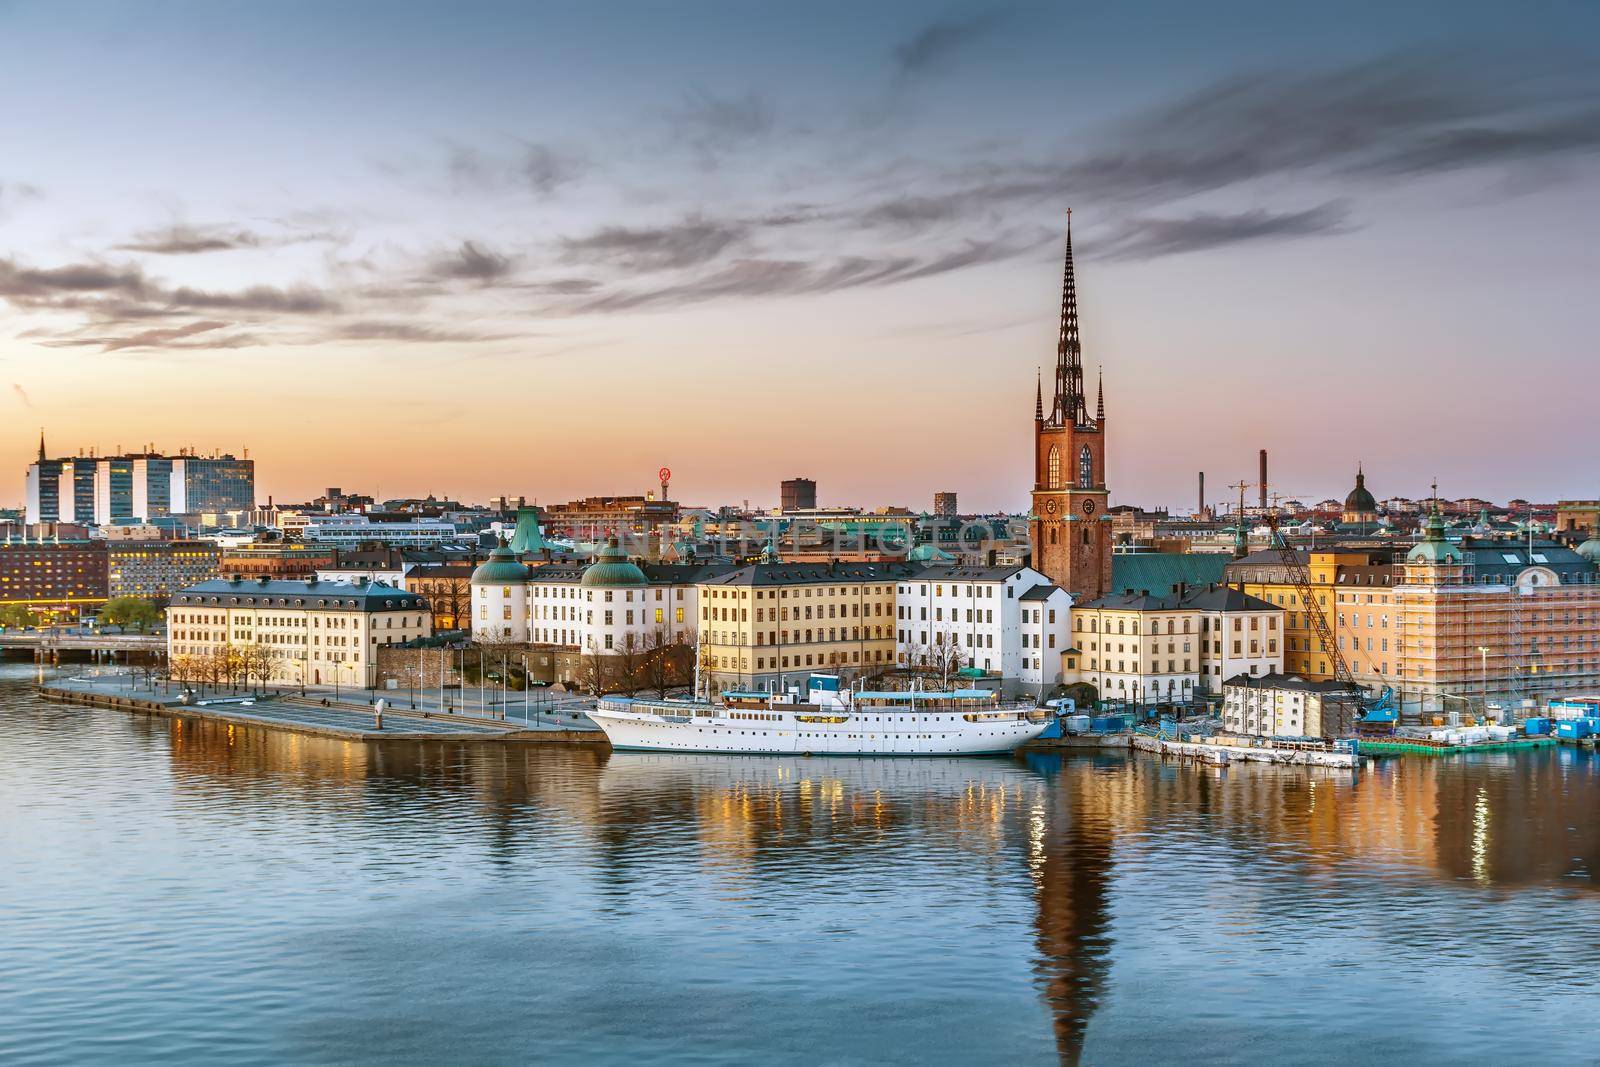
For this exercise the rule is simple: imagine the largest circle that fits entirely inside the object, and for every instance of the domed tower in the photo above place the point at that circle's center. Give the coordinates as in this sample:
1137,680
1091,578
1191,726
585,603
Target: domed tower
500,598
616,611
1360,507
1435,560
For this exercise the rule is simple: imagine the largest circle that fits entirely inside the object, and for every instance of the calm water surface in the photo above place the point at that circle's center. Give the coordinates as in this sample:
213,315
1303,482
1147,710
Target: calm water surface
180,892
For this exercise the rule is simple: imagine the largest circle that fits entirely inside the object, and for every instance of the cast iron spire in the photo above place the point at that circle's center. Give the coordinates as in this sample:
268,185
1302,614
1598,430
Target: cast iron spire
1100,399
1038,396
1070,406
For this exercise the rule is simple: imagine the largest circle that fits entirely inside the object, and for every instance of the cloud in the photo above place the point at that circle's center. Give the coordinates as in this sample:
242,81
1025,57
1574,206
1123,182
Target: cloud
472,262
409,332
754,277
22,395
302,300
936,43
1146,238
714,125
693,241
193,335
184,240
13,193
544,170
26,284
537,168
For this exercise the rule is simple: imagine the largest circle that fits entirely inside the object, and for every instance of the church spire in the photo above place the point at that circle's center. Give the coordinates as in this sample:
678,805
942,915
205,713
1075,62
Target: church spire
41,444
1070,406
1038,396
1100,399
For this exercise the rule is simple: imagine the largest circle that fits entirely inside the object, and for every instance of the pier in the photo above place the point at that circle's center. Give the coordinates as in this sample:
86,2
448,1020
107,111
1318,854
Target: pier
320,717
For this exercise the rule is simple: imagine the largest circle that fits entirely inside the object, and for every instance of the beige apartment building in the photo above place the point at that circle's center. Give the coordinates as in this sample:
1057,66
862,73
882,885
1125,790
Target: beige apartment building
1148,650
1494,619
288,632
771,624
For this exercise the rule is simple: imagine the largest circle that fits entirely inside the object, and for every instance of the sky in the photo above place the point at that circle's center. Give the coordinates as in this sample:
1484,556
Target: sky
546,249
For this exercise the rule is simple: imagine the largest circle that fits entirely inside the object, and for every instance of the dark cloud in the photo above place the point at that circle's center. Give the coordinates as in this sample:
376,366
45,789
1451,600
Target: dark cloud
1146,238
933,45
22,395
192,336
473,262
184,240
24,284
302,300
769,277
691,242
408,332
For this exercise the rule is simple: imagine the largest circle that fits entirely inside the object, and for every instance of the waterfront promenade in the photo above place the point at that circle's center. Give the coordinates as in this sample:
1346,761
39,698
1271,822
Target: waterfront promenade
347,714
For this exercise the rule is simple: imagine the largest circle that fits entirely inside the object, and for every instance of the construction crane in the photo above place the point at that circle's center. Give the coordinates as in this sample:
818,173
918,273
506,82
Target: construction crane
1374,709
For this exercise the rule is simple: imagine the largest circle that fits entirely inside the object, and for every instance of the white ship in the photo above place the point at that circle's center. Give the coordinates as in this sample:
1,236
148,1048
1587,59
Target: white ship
828,721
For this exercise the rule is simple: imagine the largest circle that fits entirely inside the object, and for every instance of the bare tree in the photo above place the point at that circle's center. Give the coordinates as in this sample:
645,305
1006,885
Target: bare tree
260,662
662,653
945,657
592,669
628,659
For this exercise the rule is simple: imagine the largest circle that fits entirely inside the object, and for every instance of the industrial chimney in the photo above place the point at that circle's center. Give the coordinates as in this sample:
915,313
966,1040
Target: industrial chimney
1263,479
1201,507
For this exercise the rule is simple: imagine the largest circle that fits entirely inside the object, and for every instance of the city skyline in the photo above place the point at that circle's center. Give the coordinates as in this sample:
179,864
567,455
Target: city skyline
801,243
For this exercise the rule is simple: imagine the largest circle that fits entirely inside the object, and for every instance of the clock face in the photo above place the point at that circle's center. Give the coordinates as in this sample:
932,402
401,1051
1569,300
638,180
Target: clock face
1050,506
1088,507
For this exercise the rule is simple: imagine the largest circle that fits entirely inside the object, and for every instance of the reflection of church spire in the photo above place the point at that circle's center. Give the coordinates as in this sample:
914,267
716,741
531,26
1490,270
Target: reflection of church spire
1074,883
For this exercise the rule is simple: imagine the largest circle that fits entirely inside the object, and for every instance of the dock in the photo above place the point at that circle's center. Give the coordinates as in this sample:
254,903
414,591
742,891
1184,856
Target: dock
1222,755
1426,746
349,722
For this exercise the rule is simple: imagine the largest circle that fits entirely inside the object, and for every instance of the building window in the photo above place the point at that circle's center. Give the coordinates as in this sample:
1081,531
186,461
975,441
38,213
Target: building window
1085,468
1054,468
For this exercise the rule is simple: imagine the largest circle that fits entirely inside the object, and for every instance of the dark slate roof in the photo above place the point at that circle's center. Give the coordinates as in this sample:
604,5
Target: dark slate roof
776,574
1489,557
265,593
1285,681
1205,598
1160,572
1223,598
947,573
1040,592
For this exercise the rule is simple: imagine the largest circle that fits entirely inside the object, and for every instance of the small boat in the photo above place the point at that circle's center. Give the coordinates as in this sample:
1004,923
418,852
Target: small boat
825,720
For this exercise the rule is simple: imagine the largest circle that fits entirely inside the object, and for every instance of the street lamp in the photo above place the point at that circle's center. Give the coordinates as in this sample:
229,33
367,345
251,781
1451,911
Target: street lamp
1483,677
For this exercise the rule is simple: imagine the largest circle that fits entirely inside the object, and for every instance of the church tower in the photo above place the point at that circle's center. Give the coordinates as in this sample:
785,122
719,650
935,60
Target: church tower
1069,528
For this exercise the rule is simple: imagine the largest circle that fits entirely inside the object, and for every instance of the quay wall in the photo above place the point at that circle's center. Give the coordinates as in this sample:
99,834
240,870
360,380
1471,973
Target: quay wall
1225,754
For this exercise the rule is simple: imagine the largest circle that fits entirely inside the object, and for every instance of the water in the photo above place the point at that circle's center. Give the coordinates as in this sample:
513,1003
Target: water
181,892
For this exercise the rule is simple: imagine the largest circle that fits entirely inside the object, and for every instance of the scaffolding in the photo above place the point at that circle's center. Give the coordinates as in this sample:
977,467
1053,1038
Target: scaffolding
1462,645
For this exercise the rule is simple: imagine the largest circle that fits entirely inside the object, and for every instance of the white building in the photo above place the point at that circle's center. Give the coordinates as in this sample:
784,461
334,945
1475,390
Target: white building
350,529
610,606
311,632
1277,705
1009,622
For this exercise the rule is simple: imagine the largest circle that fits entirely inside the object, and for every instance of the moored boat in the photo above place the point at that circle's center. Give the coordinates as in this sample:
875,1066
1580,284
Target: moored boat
825,720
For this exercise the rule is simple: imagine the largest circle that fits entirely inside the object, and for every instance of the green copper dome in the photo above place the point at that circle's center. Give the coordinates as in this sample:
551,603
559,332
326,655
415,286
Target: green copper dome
1360,500
611,570
1434,548
501,568
528,537
1590,550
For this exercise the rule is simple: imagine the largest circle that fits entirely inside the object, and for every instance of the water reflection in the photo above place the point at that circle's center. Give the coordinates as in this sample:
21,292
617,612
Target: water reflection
827,907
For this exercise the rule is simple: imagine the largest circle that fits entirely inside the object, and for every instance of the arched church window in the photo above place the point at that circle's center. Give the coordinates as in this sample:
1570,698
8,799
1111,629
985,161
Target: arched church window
1052,535
1054,468
1085,468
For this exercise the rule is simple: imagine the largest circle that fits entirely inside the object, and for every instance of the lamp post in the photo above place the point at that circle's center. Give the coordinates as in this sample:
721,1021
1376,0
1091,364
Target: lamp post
1483,677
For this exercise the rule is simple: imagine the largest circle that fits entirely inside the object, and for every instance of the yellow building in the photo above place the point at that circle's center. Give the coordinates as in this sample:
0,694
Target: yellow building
1353,590
288,632
770,624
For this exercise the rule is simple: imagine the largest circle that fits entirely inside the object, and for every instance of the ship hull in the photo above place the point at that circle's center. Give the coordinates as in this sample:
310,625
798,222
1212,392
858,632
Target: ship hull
867,735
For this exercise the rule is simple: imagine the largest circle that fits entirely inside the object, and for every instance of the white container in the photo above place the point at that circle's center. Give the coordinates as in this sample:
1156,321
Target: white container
1076,724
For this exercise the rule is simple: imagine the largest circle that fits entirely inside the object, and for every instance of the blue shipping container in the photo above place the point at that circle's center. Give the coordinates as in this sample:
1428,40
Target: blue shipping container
1573,729
1536,727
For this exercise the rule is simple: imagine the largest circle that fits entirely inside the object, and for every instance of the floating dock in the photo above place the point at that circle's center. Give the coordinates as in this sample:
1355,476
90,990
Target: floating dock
1424,746
1222,755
